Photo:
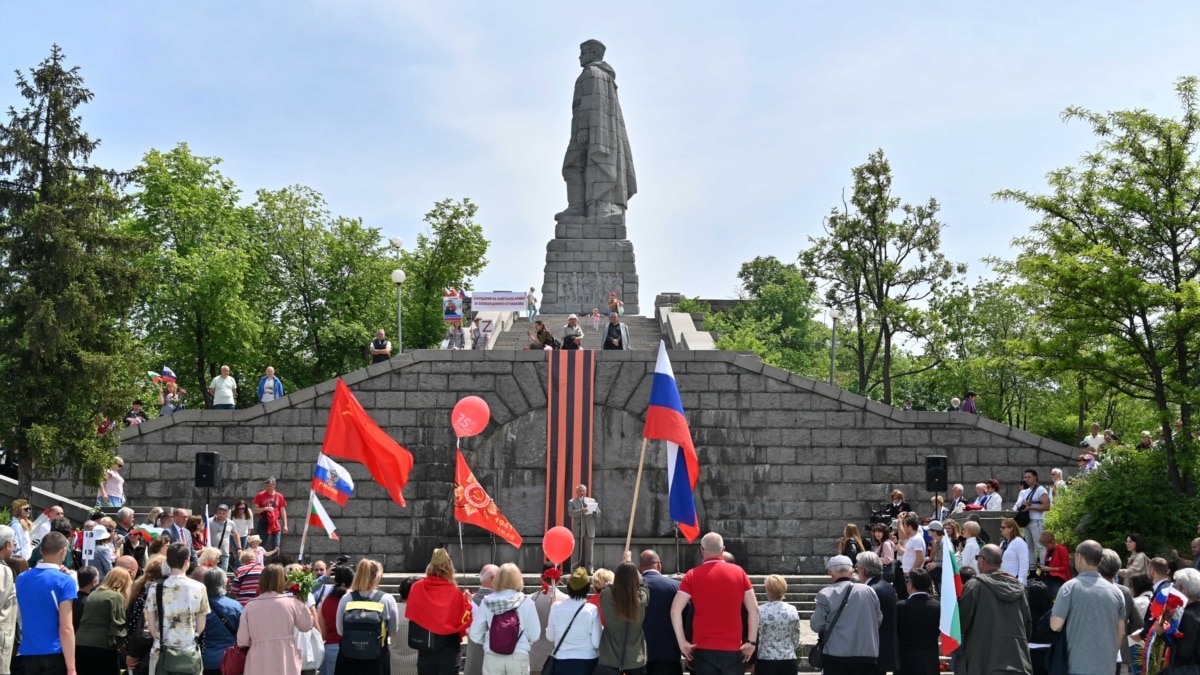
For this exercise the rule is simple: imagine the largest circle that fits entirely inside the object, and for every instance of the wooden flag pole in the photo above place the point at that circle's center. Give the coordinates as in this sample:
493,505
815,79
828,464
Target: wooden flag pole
637,486
304,537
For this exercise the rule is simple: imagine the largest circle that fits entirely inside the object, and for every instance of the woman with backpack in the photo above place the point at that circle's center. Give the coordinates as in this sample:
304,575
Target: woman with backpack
623,608
506,623
438,614
268,626
366,617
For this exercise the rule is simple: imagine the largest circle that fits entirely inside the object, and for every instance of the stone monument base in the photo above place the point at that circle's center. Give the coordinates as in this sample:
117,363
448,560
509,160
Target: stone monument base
582,269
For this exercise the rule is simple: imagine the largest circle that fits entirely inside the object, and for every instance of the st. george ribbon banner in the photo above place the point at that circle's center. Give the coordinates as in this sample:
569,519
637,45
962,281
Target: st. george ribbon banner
502,301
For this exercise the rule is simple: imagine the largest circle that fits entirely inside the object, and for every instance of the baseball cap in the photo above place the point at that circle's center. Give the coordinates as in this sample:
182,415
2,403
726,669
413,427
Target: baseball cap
936,526
223,506
838,560
572,317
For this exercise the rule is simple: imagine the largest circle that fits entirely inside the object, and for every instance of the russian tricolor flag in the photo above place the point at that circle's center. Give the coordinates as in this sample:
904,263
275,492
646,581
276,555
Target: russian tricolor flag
331,481
665,421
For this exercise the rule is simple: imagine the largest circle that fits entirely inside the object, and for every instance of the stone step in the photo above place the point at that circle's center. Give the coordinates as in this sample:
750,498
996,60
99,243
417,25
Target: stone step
644,332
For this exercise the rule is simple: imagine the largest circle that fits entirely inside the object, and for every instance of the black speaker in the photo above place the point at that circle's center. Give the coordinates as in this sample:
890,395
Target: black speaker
936,473
208,469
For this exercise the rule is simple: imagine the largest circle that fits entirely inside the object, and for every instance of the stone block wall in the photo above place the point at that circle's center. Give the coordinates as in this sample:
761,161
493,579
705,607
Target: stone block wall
785,461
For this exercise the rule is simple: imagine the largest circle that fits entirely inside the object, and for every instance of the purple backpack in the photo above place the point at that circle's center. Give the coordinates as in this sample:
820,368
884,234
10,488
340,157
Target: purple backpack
504,632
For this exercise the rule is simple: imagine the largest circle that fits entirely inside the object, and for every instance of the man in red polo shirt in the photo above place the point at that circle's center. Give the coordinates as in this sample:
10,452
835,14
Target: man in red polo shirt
717,590
271,508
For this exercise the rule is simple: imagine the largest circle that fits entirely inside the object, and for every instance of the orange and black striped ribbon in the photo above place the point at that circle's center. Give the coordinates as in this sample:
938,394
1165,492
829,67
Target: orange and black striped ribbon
572,374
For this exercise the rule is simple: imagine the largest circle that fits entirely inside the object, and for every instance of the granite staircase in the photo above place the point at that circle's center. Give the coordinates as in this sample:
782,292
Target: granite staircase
644,332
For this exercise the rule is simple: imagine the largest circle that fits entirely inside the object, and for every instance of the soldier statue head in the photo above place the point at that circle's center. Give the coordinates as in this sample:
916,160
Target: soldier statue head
591,51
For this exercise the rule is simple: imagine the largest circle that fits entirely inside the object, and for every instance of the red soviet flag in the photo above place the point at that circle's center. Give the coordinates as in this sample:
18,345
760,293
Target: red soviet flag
352,435
474,506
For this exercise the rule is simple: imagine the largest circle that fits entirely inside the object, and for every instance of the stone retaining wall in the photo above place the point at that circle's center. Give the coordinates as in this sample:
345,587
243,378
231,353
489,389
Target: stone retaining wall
785,461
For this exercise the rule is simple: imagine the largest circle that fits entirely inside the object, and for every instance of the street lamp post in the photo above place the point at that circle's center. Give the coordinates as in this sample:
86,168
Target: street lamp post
397,244
835,314
398,279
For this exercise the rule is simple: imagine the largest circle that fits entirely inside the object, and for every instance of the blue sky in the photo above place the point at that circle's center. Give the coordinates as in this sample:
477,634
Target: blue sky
745,118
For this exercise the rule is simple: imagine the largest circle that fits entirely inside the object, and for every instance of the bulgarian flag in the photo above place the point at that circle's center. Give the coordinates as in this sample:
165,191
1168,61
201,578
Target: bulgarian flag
147,532
317,517
951,591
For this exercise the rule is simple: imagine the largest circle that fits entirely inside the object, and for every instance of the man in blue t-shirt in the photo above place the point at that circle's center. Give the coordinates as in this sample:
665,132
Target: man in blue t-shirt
45,595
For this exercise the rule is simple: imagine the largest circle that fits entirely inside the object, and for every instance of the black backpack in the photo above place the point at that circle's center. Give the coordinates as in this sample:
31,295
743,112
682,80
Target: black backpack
364,627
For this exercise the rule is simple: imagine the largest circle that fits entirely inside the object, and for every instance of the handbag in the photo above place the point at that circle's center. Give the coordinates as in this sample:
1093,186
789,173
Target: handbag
141,641
312,648
602,669
424,640
548,667
815,655
172,660
233,661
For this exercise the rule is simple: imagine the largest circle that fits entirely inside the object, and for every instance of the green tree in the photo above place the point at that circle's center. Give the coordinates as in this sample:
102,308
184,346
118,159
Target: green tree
879,269
329,283
449,255
204,305
1113,266
66,287
1125,494
775,318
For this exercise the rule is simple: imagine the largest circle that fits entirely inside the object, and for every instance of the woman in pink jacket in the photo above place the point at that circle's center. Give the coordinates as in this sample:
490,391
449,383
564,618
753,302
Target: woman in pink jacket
268,623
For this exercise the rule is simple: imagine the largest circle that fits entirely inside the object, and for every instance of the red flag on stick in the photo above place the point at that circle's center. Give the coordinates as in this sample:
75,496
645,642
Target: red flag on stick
473,505
352,435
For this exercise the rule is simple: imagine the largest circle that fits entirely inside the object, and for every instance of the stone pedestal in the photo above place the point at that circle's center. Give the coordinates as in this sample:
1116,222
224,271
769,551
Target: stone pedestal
586,261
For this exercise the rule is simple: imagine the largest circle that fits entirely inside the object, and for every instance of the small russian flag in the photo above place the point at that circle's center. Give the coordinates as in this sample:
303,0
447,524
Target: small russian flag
331,481
665,421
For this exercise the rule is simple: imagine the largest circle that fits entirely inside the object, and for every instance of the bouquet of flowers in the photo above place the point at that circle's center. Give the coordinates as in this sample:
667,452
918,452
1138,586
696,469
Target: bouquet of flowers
301,582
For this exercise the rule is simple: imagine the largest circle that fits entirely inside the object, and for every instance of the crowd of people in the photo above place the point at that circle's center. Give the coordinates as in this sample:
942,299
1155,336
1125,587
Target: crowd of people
173,608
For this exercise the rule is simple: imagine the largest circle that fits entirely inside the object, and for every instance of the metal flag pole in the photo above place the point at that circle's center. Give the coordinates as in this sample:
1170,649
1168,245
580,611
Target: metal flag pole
636,488
304,537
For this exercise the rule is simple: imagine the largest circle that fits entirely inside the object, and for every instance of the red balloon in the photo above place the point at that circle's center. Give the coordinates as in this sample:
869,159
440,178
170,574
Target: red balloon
558,544
470,416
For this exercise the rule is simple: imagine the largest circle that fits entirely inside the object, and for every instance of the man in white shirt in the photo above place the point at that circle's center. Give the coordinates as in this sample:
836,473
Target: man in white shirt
1036,500
914,544
223,390
224,536
8,598
1094,440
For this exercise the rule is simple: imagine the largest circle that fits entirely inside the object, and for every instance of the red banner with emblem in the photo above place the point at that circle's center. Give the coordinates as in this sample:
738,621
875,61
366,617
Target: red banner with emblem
474,506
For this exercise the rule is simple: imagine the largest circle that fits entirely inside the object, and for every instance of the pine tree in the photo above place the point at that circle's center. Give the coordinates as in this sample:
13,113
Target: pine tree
66,284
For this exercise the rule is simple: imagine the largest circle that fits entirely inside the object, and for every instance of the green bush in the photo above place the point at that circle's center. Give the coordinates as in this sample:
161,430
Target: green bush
694,305
1127,493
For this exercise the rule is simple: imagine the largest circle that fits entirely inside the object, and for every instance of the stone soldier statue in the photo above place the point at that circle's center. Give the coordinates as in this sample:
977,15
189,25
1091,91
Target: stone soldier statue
583,511
598,166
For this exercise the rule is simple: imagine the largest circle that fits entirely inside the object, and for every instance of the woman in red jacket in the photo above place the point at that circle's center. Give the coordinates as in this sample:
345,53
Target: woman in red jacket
1055,567
439,615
